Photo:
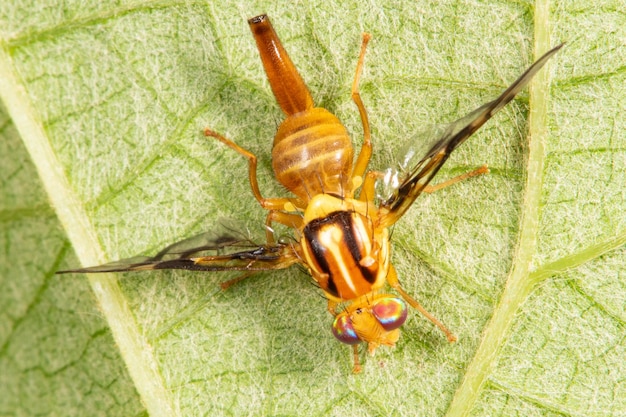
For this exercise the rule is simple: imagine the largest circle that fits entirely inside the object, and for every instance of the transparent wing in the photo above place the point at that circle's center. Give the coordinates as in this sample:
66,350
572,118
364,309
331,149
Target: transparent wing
400,186
207,252
407,157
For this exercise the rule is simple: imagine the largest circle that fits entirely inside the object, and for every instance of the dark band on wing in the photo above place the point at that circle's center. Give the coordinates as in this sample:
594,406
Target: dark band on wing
262,258
457,133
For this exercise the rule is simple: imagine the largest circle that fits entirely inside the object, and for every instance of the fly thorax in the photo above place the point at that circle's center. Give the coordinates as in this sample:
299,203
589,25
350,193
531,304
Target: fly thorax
345,254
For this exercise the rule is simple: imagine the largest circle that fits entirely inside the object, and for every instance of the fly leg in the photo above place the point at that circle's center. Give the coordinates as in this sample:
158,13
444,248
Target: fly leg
392,279
276,206
288,219
356,369
227,284
368,190
366,149
478,171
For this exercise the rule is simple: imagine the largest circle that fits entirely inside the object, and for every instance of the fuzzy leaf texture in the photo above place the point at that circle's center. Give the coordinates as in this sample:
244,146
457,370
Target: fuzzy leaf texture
103,157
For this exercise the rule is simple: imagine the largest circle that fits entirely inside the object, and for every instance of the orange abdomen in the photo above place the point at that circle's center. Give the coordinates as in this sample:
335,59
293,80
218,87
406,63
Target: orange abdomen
287,85
312,154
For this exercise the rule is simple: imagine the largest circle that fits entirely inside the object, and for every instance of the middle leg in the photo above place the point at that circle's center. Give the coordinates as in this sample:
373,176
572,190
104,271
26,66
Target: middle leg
366,149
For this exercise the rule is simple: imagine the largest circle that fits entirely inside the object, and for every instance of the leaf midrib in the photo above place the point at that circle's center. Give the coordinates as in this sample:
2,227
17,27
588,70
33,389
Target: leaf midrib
142,365
518,285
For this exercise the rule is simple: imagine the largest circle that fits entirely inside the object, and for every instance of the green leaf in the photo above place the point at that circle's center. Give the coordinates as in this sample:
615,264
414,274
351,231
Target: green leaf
106,104
57,353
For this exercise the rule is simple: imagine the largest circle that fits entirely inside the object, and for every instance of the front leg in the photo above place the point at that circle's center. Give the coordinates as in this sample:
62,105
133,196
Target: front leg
392,279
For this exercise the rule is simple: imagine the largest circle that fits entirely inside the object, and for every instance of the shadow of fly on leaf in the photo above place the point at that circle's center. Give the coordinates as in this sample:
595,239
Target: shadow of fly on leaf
340,212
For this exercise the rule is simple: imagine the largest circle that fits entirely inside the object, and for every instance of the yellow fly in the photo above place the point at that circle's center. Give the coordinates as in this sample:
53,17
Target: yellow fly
340,222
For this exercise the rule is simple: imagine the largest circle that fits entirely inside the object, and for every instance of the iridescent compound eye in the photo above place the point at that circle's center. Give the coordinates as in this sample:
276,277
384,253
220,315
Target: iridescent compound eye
344,331
390,312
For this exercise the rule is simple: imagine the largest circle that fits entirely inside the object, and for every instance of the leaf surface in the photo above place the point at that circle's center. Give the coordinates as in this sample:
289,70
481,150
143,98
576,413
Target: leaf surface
103,154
